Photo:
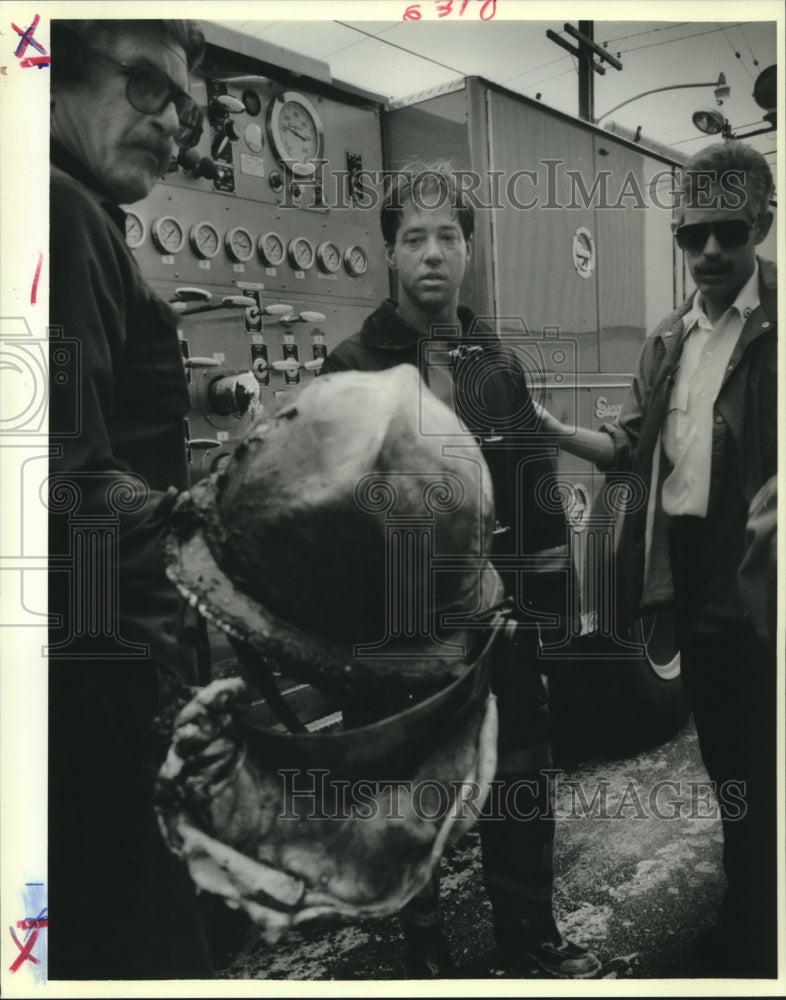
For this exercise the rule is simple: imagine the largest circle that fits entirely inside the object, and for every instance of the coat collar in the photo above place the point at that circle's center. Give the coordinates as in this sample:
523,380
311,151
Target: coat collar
761,319
385,329
62,160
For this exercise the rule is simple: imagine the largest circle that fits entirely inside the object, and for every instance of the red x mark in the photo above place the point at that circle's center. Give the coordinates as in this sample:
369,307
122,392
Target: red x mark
26,949
27,38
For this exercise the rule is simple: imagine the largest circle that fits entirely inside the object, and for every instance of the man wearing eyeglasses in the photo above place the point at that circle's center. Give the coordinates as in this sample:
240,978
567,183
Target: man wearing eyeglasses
698,428
120,907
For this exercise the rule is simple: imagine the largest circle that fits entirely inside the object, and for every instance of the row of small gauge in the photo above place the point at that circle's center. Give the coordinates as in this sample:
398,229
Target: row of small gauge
168,237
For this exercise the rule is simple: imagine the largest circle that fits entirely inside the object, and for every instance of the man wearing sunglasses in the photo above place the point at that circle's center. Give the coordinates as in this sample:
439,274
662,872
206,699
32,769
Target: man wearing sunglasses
699,429
118,907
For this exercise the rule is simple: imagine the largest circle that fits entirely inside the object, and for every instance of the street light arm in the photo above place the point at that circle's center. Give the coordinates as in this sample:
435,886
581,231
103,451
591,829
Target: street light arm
656,90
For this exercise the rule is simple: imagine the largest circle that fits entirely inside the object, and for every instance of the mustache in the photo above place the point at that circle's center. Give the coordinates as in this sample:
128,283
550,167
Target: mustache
713,269
160,150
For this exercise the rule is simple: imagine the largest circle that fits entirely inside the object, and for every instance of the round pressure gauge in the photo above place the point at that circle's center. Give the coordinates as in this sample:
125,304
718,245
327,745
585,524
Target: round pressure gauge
296,132
301,253
355,261
135,230
204,240
239,244
271,250
328,257
167,234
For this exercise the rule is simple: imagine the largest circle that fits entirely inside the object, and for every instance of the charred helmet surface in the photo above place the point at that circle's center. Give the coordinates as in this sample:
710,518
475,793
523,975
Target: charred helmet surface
348,537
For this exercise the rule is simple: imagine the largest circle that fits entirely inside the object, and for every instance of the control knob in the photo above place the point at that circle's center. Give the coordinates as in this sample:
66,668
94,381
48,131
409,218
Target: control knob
234,394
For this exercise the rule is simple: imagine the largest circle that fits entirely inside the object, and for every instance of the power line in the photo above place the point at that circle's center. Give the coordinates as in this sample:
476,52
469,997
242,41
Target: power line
606,43
548,79
533,69
753,57
359,41
402,48
736,54
560,59
637,48
649,31
695,34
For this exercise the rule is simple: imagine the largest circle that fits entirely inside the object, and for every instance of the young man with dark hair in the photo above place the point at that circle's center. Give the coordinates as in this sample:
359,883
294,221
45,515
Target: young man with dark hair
428,227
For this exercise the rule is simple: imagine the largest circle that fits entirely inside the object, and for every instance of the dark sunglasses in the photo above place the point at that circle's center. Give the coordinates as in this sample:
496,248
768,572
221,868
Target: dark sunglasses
730,233
149,90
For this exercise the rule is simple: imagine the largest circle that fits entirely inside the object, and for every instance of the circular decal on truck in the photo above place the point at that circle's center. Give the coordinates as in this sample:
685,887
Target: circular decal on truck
583,252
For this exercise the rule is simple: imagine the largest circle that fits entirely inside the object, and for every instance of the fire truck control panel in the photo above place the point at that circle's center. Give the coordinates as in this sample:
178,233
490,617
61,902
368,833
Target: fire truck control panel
257,236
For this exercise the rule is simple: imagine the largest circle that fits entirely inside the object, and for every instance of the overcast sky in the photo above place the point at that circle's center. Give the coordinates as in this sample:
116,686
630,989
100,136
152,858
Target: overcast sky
398,58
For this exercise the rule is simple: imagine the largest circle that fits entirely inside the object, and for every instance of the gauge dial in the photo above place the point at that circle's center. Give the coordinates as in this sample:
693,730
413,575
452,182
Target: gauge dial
135,230
328,257
167,234
296,132
355,261
239,244
301,253
204,240
271,250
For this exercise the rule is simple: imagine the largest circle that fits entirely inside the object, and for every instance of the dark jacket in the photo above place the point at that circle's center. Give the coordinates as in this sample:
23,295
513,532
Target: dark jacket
490,395
116,423
744,455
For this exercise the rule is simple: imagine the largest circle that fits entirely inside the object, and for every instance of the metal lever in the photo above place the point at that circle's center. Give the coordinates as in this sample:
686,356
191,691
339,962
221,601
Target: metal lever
239,301
184,296
201,363
228,302
229,105
191,294
203,443
291,365
255,313
302,317
197,165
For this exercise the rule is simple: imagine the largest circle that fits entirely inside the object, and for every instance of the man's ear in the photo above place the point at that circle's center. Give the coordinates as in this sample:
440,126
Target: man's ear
390,256
469,249
763,224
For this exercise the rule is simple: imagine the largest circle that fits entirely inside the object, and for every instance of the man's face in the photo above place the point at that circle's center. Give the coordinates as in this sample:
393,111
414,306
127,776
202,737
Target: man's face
430,256
124,149
720,270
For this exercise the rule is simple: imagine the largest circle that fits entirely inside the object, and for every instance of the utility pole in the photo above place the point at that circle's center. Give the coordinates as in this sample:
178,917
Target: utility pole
586,74
587,47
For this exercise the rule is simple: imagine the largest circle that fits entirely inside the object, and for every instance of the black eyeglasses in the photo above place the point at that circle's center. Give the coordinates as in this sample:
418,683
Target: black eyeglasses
730,233
149,90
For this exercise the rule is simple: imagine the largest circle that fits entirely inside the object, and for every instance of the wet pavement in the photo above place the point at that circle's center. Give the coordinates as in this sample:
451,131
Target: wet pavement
638,875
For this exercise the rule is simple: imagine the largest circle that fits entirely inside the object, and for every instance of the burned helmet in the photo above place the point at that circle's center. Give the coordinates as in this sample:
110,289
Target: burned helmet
348,539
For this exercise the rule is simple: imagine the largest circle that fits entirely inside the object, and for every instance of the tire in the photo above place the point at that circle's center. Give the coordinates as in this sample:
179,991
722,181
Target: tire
605,701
